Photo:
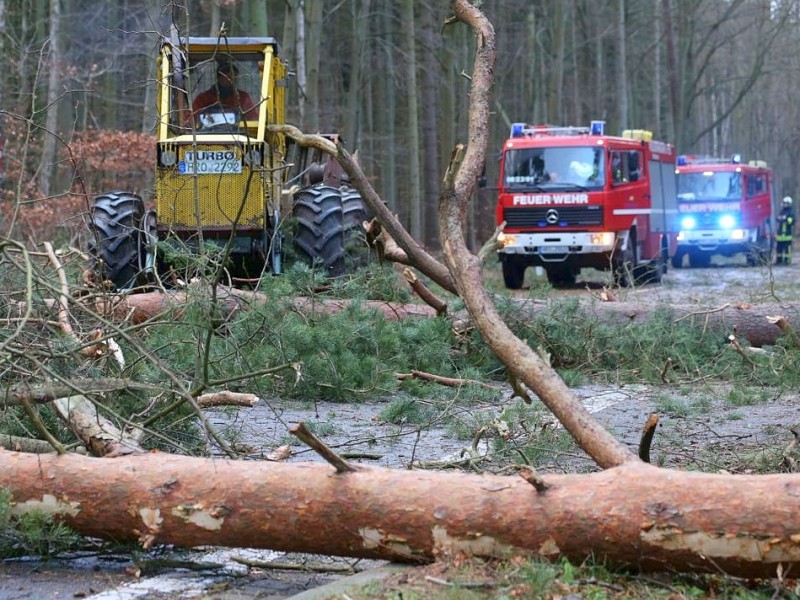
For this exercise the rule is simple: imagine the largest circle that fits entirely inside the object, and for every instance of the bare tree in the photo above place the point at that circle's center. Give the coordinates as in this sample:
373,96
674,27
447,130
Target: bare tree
48,160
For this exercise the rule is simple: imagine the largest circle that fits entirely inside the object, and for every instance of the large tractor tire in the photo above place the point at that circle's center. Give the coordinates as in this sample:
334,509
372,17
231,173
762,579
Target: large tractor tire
319,236
354,212
117,246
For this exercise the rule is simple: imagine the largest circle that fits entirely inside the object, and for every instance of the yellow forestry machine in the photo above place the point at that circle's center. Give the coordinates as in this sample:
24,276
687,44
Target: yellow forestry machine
222,182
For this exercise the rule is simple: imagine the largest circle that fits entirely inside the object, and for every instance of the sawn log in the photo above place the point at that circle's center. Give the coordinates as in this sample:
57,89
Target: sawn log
636,514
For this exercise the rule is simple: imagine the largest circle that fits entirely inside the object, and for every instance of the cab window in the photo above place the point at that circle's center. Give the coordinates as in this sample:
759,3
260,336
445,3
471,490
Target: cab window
626,166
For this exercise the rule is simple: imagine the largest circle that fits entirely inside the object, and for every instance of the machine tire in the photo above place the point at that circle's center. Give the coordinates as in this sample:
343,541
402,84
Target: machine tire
319,237
653,271
761,253
625,265
699,259
354,212
117,244
753,257
561,276
650,272
677,260
513,272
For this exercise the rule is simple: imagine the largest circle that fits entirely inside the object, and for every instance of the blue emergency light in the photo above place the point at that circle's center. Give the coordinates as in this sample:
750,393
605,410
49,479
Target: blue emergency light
682,160
598,127
736,159
517,129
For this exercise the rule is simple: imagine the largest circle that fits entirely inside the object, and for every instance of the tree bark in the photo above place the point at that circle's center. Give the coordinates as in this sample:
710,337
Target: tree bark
635,515
100,436
414,200
751,323
138,308
314,15
47,165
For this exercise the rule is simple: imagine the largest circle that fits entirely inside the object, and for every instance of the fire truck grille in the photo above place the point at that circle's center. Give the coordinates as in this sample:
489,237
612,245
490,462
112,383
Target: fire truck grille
564,216
707,220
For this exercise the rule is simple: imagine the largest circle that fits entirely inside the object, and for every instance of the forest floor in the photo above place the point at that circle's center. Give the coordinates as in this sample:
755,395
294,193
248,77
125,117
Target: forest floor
699,428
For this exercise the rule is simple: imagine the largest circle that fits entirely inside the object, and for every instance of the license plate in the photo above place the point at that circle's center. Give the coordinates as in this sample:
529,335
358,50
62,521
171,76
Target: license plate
210,163
552,249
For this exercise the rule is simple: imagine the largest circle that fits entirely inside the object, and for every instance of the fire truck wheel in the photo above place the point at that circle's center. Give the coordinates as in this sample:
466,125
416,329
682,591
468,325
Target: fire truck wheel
624,265
677,260
116,242
650,272
561,276
699,259
319,237
513,272
760,253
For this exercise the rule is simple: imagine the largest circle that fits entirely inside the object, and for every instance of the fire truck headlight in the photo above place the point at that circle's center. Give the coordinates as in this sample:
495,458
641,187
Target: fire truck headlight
738,234
681,236
603,238
505,239
727,221
688,223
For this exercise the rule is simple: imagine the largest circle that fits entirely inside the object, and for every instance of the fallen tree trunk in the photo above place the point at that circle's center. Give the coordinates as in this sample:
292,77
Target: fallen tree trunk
751,323
138,308
635,515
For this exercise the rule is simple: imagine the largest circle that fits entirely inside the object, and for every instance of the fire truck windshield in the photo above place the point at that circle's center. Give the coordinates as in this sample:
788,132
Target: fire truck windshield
533,168
709,185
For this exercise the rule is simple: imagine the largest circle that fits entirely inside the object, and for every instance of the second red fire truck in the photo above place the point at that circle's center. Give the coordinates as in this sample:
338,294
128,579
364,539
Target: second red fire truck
724,208
573,197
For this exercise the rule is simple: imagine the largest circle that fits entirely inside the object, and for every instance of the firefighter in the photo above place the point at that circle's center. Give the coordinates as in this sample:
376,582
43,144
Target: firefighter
785,219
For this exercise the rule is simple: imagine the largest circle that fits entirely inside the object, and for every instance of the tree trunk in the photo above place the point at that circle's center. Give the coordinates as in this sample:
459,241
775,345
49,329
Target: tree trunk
672,73
47,164
635,515
313,31
359,16
555,101
414,199
751,324
430,89
300,51
621,71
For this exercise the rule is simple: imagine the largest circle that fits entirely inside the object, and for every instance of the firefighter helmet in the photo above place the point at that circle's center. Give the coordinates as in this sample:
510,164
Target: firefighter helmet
787,200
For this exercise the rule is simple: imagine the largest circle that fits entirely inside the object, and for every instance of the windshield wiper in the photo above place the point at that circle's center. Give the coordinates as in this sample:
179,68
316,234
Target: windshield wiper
525,187
564,185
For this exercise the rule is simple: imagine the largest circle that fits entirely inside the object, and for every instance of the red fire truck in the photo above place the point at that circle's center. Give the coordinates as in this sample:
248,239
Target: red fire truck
573,197
724,208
